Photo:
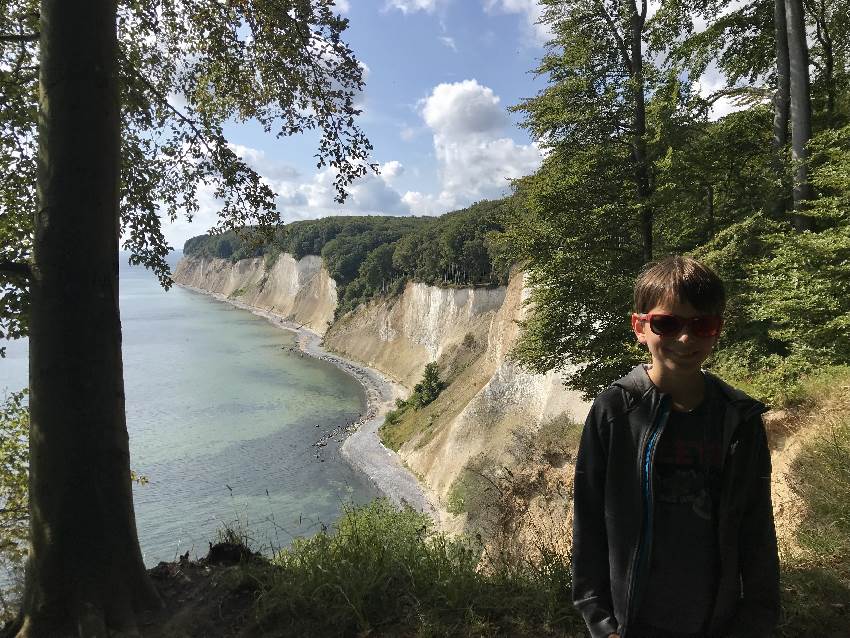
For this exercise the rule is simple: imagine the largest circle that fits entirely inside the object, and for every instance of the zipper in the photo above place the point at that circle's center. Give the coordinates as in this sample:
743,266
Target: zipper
647,457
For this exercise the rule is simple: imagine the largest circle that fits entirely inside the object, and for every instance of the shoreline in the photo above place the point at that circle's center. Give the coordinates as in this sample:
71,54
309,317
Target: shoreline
362,448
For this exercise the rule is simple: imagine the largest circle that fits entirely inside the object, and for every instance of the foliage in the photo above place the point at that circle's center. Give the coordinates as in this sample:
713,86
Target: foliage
375,255
424,393
14,464
622,180
428,389
288,69
576,226
789,310
14,504
384,570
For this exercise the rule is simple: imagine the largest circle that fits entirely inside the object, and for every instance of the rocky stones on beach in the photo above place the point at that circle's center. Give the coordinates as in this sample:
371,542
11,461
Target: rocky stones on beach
368,454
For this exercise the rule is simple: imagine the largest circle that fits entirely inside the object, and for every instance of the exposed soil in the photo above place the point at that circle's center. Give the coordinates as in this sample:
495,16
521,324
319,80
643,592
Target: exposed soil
212,597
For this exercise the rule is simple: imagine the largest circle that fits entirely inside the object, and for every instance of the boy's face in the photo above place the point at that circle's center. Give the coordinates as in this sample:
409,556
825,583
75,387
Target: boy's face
682,353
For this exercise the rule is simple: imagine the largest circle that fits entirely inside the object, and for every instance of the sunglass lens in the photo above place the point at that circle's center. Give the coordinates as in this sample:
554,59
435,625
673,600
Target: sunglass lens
706,326
665,325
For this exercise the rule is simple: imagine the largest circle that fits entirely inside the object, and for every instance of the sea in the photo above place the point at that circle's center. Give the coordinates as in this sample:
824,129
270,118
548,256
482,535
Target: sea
222,419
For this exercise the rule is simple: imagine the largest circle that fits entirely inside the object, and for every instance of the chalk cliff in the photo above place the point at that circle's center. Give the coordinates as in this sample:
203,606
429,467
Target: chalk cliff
298,290
468,331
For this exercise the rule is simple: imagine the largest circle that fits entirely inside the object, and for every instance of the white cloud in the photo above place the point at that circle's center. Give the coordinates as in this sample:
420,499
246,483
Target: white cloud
475,158
343,6
412,6
271,170
371,194
407,133
536,33
449,42
300,197
390,170
463,108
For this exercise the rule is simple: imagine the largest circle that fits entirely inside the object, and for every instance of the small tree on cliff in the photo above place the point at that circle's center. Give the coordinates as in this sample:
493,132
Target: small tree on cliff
429,388
90,81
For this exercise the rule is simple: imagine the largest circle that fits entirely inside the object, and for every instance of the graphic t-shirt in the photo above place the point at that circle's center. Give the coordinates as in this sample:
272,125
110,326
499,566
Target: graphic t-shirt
679,592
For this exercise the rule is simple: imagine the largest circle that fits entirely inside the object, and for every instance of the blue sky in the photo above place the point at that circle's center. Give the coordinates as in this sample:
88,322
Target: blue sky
440,75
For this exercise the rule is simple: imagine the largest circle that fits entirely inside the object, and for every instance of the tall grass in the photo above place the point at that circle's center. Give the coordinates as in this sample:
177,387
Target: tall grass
816,582
384,571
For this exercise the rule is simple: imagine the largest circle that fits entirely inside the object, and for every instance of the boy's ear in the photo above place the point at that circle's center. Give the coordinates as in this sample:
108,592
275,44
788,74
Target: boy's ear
638,327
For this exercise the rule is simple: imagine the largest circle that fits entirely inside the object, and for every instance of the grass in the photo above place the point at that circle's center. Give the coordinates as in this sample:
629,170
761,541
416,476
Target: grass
383,571
816,577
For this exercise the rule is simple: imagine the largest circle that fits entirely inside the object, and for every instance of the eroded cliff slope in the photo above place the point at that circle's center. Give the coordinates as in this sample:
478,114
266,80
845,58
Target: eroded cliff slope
469,332
298,290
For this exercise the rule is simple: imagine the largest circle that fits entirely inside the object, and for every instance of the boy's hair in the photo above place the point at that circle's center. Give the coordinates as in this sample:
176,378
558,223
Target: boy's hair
679,279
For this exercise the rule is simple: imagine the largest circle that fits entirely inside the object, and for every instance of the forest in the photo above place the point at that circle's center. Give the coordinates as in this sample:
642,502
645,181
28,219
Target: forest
376,255
634,169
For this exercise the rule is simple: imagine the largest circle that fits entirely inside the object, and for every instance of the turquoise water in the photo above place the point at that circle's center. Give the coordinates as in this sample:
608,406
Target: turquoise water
222,419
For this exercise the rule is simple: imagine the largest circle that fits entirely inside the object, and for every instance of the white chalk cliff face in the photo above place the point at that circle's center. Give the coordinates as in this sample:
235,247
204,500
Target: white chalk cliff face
487,400
469,332
297,290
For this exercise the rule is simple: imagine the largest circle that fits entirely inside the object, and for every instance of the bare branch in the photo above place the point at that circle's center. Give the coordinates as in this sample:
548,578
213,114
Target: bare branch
621,44
19,37
16,268
128,68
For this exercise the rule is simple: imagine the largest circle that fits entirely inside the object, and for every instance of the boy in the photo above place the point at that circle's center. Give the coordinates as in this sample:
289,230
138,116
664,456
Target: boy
673,532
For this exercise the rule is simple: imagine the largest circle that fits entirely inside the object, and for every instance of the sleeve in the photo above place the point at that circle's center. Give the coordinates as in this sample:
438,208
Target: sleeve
758,611
591,581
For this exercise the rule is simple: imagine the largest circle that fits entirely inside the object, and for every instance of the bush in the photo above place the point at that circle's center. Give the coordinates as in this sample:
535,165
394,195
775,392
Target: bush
776,276
428,389
384,570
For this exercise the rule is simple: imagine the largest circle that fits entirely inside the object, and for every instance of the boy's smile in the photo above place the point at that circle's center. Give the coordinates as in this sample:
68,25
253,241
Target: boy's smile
681,354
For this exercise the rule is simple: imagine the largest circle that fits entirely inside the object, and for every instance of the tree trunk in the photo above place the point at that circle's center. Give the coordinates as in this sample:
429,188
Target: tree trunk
644,188
709,210
781,105
85,574
825,39
801,107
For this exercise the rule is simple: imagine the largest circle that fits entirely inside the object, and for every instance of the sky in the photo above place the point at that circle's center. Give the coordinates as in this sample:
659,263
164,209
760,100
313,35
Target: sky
440,76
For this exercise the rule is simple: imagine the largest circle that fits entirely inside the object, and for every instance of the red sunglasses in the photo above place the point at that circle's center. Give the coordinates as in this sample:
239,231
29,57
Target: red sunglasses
665,325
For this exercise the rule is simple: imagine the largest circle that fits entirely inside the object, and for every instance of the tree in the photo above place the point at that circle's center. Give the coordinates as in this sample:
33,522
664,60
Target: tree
602,68
782,97
615,122
830,49
801,107
428,389
112,153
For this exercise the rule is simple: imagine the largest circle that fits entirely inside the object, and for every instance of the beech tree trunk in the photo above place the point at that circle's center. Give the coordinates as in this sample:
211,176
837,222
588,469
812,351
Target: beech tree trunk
801,107
85,574
781,104
642,179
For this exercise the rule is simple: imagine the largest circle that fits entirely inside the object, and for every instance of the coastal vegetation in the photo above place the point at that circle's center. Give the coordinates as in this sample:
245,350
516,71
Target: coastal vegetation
633,169
14,506
376,255
94,150
424,393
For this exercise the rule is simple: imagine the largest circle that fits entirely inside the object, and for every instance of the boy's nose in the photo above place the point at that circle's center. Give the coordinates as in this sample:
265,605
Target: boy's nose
685,335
